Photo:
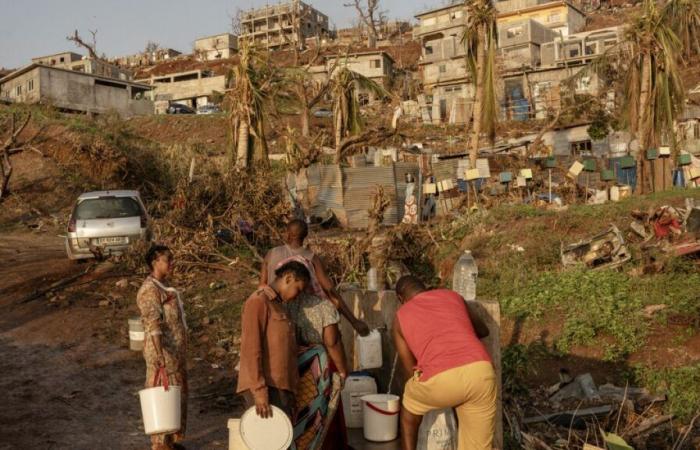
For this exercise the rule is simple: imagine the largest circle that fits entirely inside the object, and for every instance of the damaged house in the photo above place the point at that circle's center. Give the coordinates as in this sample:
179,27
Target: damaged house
76,91
283,25
193,88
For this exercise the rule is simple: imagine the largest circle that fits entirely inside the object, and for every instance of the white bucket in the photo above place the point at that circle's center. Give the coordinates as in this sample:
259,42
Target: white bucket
369,349
160,409
356,387
235,440
380,417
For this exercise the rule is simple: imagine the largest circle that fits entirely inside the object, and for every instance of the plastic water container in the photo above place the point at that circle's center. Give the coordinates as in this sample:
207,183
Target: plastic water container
380,417
372,284
464,276
160,409
235,441
356,387
136,334
369,350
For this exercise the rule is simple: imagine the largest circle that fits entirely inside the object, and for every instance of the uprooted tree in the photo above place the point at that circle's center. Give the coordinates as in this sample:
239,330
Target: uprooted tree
12,146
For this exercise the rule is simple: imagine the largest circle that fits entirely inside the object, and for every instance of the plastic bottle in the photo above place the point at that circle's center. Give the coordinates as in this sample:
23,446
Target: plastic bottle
464,276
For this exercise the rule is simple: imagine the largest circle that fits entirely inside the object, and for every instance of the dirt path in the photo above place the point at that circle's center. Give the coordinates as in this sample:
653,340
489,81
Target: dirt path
66,382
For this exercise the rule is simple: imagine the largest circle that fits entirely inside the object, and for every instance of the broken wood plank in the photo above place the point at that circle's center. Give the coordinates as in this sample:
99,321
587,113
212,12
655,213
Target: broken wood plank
648,425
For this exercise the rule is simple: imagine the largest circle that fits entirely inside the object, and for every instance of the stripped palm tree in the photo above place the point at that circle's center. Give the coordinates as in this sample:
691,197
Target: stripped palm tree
344,88
480,41
651,87
250,86
683,16
654,92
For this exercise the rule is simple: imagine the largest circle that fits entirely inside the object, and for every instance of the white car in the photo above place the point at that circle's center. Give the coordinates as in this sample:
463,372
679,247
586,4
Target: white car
105,223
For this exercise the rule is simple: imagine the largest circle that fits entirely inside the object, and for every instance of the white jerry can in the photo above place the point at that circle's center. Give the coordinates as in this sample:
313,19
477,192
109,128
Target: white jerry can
356,386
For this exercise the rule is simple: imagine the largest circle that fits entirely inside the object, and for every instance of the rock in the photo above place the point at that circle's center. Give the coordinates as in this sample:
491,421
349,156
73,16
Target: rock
122,284
104,303
651,310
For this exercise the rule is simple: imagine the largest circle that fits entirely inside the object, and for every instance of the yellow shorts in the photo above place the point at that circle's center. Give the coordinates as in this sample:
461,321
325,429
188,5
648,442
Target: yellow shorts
471,390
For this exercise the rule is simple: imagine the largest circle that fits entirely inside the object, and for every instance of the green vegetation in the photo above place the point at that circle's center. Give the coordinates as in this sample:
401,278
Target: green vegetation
681,384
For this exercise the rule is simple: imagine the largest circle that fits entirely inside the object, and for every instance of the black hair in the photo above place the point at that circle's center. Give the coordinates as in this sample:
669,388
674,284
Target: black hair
301,227
296,269
154,253
407,285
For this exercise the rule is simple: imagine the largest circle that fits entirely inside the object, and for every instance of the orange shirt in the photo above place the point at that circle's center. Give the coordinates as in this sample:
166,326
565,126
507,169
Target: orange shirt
268,346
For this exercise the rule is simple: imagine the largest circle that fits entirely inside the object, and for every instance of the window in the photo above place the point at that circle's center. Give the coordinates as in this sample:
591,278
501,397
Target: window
30,85
581,148
513,32
574,52
18,90
696,130
63,59
442,68
592,48
554,17
375,64
428,50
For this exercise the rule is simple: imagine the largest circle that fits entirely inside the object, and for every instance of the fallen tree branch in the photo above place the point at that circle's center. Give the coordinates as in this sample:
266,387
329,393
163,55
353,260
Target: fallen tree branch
648,425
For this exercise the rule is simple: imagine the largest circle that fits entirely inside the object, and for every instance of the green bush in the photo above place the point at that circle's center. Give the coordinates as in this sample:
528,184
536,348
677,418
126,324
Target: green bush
681,384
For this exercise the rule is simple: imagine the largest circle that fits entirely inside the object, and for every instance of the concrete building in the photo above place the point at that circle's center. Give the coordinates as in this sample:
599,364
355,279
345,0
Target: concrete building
219,46
442,64
279,26
376,65
520,42
689,129
75,91
79,63
194,88
145,58
562,17
579,48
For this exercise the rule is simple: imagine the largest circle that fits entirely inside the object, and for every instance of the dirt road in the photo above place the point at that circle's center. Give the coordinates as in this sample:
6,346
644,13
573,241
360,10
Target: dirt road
68,380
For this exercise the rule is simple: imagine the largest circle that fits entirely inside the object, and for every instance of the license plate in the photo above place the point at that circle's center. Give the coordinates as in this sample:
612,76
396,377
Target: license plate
111,241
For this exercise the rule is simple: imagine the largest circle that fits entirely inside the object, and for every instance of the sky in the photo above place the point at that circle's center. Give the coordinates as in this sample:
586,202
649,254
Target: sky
31,28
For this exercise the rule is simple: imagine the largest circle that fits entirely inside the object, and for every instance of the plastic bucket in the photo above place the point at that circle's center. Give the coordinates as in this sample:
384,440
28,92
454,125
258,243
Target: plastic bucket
136,334
380,417
160,407
235,441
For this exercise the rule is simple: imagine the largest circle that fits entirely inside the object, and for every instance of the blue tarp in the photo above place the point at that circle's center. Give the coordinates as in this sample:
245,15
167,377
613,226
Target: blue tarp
624,176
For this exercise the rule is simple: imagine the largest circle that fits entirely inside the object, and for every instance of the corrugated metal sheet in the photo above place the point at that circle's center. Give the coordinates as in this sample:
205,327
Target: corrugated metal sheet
446,169
348,191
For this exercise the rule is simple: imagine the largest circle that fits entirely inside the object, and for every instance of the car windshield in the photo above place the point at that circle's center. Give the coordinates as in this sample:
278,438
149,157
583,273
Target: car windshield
107,208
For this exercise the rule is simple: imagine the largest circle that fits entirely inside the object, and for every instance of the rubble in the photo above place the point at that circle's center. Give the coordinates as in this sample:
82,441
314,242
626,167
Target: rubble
606,250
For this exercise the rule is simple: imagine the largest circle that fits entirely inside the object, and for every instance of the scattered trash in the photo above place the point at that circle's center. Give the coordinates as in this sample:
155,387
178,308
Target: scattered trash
216,285
583,387
574,418
516,248
605,250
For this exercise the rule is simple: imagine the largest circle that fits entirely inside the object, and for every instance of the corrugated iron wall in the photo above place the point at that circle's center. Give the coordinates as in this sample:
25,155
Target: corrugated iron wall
347,191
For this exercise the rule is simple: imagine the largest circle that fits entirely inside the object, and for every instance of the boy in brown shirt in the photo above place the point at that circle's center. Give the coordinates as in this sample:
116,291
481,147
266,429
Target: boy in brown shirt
268,361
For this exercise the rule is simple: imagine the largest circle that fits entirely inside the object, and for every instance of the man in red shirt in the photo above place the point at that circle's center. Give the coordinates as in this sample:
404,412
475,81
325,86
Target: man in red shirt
445,363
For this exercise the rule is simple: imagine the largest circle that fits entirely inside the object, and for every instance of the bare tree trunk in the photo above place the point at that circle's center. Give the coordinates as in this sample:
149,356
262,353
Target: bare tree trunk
478,96
242,152
643,123
339,132
6,173
305,118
